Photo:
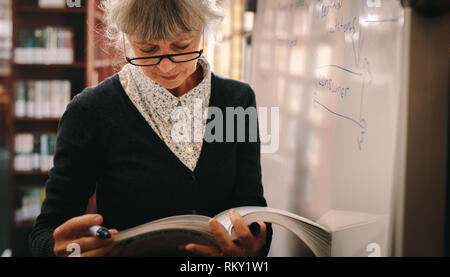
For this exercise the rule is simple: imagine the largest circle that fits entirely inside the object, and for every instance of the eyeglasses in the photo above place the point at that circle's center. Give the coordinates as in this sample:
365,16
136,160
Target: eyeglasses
175,58
155,60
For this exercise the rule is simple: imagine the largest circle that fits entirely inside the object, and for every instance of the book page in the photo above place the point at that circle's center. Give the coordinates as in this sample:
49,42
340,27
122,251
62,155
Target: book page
315,236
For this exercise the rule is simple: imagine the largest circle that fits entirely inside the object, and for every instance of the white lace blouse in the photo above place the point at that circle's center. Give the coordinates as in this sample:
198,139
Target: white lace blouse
162,111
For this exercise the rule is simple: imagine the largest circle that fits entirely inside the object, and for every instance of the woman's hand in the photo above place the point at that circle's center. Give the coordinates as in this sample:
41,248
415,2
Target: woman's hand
73,236
247,245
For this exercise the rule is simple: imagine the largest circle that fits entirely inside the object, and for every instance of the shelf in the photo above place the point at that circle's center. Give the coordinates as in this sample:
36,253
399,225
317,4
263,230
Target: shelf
30,186
33,9
33,119
34,125
27,179
23,225
76,65
30,173
103,63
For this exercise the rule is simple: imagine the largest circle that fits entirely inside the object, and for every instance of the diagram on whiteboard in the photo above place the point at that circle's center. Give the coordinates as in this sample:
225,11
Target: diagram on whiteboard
351,30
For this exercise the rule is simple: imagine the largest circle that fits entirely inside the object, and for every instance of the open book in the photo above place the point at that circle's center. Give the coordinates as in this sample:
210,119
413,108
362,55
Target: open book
162,237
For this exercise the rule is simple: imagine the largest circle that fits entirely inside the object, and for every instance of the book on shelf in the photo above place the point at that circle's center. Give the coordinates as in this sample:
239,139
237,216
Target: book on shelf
162,237
45,45
52,3
28,205
34,152
5,37
41,99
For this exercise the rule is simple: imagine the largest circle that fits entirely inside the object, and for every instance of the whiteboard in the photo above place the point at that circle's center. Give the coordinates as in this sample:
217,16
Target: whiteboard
335,70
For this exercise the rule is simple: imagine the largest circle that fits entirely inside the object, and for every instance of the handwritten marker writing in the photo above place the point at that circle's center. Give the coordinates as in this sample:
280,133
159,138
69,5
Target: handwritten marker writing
99,232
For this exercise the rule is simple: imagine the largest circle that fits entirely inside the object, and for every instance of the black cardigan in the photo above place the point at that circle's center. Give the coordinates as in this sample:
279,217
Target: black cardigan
105,145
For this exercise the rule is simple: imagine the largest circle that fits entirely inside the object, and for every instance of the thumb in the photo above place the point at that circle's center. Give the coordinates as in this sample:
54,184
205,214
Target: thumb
78,226
113,231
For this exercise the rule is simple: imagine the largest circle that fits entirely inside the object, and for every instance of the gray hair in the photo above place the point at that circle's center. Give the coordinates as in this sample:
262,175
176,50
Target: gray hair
158,19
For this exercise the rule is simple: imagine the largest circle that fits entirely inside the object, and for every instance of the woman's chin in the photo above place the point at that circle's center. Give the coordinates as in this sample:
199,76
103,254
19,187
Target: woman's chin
169,84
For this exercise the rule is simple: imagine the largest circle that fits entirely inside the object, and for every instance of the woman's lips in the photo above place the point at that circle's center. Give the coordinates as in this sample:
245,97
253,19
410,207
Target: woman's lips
169,78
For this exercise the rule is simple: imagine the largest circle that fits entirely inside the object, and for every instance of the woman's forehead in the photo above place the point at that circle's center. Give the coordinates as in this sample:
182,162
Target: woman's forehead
183,37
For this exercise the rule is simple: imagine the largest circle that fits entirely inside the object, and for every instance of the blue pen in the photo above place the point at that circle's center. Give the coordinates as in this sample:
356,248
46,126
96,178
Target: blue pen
99,232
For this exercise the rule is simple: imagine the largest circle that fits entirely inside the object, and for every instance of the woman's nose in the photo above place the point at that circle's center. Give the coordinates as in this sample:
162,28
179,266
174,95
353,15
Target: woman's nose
166,65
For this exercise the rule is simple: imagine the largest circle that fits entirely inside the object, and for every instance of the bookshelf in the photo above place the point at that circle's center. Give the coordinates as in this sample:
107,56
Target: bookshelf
38,34
4,104
5,49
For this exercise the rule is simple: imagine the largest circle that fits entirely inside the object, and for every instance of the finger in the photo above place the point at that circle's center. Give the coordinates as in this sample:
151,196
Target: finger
77,226
261,237
117,248
223,240
89,243
243,233
207,251
182,247
113,231
98,252
115,251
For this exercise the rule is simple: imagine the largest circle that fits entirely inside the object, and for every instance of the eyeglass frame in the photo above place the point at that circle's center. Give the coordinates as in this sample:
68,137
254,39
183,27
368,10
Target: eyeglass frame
161,57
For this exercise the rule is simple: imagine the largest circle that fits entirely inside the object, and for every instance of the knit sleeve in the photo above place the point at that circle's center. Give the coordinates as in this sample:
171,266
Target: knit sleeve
72,179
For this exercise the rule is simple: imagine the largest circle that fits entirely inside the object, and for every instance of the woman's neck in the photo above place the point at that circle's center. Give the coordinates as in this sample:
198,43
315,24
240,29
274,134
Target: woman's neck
189,84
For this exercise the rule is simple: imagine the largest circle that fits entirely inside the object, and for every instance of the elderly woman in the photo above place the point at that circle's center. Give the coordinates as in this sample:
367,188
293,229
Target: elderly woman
117,139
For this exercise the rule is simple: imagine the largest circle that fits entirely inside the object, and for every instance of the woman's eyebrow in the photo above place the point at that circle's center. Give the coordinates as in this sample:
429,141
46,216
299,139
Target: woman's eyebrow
144,43
182,41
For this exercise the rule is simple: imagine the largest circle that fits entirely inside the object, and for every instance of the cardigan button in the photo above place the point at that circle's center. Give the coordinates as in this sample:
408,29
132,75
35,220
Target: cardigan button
193,177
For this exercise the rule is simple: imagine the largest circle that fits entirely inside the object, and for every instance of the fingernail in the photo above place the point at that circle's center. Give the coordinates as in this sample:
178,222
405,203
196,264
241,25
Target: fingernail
189,247
98,219
213,224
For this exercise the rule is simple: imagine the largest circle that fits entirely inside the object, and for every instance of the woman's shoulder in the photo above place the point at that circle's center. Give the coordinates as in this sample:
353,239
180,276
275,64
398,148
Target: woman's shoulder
232,91
227,83
102,94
